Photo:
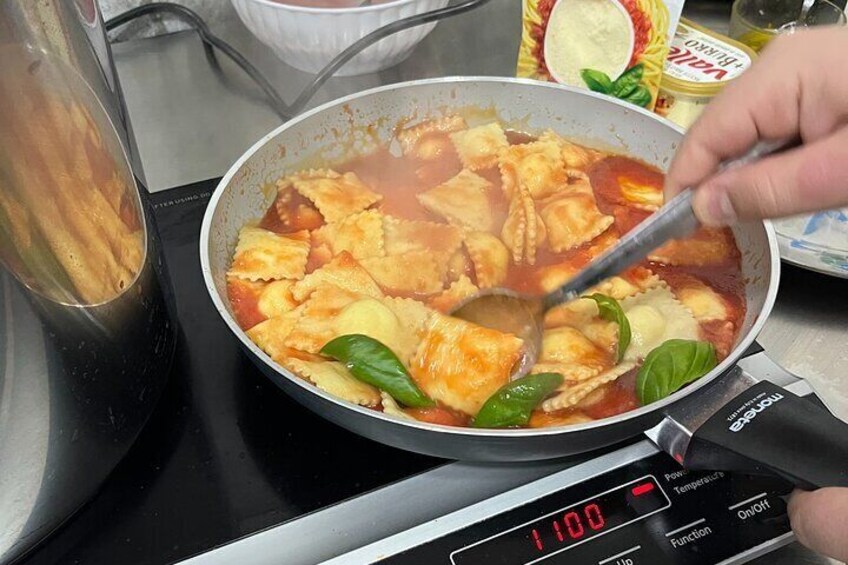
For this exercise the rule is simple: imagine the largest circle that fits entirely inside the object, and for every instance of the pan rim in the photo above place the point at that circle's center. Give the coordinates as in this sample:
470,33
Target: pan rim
642,411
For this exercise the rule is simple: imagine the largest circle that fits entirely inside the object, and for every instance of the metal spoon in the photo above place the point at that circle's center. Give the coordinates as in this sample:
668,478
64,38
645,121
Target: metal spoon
523,315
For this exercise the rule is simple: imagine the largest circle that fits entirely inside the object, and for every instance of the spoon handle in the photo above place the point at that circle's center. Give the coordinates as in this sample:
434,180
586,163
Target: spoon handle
674,220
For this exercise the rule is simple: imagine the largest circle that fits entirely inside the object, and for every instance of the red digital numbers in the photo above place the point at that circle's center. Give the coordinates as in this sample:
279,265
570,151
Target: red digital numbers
594,517
573,523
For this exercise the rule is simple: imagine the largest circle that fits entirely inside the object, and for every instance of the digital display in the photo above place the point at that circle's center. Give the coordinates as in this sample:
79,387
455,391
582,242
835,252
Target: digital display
558,531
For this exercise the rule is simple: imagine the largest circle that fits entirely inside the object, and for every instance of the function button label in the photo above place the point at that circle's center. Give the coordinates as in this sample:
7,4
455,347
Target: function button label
689,533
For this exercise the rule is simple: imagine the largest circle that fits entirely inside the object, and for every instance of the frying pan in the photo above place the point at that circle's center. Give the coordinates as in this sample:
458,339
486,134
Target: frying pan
359,122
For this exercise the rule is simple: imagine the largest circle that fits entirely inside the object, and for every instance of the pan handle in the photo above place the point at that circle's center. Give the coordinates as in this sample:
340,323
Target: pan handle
766,429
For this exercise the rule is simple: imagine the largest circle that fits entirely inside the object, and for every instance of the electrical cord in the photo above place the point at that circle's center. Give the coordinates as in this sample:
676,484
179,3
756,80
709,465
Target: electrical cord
286,111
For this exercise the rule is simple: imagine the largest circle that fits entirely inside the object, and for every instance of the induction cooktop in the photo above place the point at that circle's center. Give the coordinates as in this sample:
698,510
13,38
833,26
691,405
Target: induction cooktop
230,470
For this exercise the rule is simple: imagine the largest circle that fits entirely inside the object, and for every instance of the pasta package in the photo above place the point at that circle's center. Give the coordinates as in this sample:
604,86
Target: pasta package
615,47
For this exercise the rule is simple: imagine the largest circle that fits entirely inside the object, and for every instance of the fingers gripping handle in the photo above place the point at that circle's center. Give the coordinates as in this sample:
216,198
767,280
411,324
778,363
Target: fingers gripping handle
769,430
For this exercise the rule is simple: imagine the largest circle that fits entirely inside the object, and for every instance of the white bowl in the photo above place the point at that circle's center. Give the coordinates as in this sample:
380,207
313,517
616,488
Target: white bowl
309,38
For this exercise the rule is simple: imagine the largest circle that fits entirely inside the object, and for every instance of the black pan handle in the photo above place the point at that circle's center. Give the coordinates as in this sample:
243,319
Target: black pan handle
766,429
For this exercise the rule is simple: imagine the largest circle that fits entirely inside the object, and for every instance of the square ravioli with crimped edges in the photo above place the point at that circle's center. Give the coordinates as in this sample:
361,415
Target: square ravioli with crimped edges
536,167
461,364
342,271
422,140
334,378
572,220
360,234
489,256
404,236
656,316
414,272
265,255
462,200
479,147
336,195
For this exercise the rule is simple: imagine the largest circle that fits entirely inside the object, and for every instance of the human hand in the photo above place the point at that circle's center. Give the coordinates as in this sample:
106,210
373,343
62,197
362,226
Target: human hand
799,87
820,520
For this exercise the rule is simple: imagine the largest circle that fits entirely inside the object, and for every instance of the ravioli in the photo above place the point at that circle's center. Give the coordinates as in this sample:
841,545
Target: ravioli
462,200
335,379
705,303
360,234
335,195
315,325
458,291
392,408
276,299
536,167
271,334
479,147
461,365
404,236
575,156
523,231
568,352
490,258
265,255
422,140
641,196
709,247
572,220
415,272
572,392
344,272
656,316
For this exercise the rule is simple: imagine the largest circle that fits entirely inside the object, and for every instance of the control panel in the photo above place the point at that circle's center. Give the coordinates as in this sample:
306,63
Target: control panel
646,512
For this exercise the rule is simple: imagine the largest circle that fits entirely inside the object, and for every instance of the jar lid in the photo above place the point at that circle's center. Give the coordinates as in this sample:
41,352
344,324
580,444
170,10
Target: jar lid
701,62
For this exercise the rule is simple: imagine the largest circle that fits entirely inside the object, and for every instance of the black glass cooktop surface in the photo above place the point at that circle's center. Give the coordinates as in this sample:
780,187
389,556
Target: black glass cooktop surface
226,453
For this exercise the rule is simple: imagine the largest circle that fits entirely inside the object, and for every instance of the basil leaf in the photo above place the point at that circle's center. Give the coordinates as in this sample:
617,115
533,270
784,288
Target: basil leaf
513,403
611,311
628,81
372,362
640,97
673,364
597,81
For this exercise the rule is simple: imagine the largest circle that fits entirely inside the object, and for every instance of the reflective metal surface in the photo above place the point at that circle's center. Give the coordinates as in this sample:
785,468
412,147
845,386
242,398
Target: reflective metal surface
86,339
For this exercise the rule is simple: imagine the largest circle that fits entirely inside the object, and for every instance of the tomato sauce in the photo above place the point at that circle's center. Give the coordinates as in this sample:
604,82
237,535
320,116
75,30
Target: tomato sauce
244,298
399,179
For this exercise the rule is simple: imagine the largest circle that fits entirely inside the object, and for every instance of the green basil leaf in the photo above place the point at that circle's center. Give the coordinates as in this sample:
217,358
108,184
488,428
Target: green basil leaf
611,311
628,81
673,364
372,362
597,81
513,403
640,97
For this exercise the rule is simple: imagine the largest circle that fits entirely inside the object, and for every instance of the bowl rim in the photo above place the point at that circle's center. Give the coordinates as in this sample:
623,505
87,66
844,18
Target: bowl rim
309,10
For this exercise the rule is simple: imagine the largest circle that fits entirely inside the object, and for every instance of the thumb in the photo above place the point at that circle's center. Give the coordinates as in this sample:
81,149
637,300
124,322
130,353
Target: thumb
809,178
820,520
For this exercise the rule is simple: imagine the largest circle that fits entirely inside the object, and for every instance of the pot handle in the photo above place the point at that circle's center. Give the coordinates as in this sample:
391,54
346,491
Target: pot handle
766,429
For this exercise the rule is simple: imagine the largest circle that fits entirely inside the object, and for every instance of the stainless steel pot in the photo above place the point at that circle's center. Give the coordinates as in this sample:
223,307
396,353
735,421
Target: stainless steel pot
86,336
357,122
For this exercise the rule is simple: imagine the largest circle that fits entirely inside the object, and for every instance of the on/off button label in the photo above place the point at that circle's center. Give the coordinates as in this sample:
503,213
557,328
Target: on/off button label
756,507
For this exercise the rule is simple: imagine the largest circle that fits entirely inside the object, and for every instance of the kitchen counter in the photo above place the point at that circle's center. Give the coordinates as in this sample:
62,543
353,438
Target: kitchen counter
192,122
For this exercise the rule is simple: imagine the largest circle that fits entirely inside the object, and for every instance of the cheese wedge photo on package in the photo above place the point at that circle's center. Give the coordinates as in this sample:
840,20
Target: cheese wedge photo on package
615,47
